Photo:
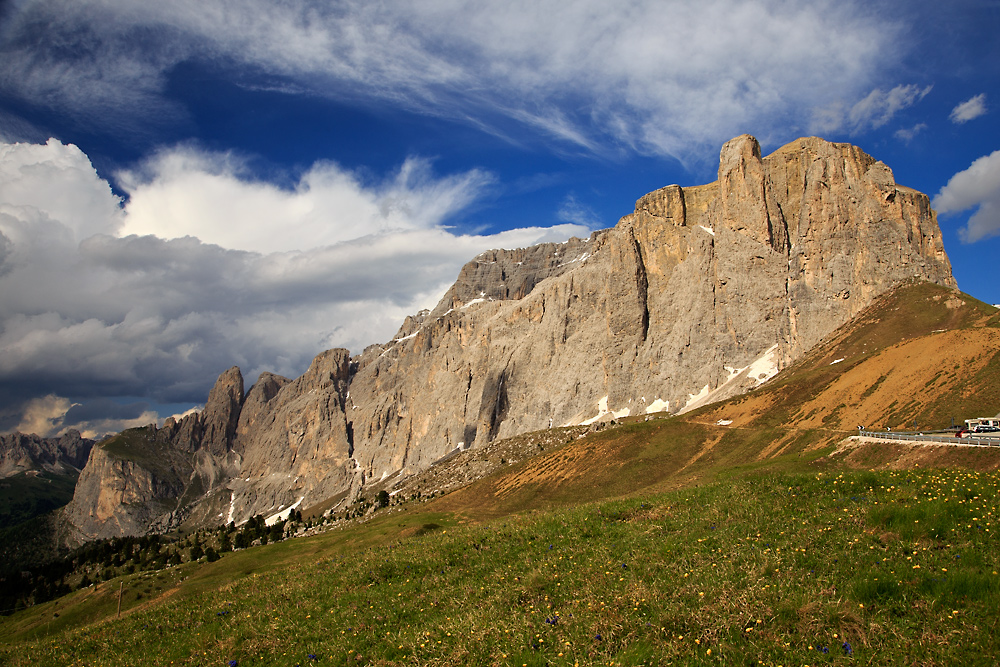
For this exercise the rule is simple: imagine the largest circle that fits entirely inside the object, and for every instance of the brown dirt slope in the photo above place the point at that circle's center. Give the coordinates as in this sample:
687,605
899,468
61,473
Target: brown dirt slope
921,354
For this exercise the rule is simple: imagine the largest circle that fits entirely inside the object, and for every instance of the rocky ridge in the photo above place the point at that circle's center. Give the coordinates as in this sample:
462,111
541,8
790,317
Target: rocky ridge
699,294
22,453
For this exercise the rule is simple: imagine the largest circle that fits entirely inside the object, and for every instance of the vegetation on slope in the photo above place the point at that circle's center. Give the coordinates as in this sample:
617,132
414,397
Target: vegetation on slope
822,567
27,495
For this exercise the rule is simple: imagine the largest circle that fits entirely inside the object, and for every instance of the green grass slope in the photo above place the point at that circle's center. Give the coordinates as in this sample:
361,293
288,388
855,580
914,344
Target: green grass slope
28,495
824,567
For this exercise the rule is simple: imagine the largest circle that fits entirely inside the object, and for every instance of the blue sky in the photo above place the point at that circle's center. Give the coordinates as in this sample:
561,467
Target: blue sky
188,186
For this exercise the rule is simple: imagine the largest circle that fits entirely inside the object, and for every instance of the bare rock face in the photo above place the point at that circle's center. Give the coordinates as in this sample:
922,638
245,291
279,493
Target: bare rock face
21,452
298,446
699,294
222,413
131,483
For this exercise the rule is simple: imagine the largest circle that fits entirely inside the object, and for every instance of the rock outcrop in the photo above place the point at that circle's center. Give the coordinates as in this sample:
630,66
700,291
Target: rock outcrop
21,453
699,294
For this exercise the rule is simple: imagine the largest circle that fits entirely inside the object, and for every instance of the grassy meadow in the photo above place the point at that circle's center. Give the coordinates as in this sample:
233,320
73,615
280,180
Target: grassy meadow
809,568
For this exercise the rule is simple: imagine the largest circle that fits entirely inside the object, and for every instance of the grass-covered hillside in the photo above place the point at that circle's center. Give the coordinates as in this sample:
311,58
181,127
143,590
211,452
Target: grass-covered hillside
817,567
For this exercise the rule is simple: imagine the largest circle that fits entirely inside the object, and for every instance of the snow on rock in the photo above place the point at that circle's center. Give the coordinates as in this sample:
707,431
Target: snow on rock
602,410
232,508
765,367
473,302
283,514
836,361
659,405
694,398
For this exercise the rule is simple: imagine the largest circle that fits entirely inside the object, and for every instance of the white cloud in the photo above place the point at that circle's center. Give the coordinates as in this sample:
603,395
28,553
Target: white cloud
969,109
44,415
977,186
88,308
655,76
873,111
907,134
187,192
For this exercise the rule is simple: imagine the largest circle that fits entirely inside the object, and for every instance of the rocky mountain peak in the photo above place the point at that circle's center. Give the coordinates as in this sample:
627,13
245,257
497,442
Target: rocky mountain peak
221,415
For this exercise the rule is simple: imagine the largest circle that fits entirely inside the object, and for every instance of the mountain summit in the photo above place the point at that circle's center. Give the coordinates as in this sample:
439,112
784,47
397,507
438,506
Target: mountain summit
700,294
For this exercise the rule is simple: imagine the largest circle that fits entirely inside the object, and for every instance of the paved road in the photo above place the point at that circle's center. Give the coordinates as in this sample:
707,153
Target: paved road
981,440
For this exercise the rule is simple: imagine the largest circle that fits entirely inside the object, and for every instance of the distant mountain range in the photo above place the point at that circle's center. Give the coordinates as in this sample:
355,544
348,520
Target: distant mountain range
698,295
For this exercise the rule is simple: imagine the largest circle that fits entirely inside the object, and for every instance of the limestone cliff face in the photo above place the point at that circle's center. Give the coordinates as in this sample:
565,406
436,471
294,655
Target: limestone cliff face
700,293
298,445
149,479
126,493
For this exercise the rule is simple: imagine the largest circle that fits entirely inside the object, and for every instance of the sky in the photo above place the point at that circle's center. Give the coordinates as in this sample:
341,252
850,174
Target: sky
191,185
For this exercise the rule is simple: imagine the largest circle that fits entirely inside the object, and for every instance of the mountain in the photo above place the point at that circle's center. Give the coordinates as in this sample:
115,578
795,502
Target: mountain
38,474
700,294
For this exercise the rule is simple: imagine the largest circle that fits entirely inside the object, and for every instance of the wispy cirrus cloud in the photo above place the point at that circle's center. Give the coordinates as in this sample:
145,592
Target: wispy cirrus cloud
873,111
652,76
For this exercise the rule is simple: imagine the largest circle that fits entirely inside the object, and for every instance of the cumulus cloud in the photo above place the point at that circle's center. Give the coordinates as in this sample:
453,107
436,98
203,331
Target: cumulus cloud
94,303
969,109
655,76
188,192
44,415
976,187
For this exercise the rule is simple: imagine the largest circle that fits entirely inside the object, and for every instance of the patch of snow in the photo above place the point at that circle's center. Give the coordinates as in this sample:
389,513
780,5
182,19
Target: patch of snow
232,508
760,371
399,340
473,302
282,515
765,367
724,422
694,398
582,258
733,372
659,405
602,409
385,473
836,361
708,229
